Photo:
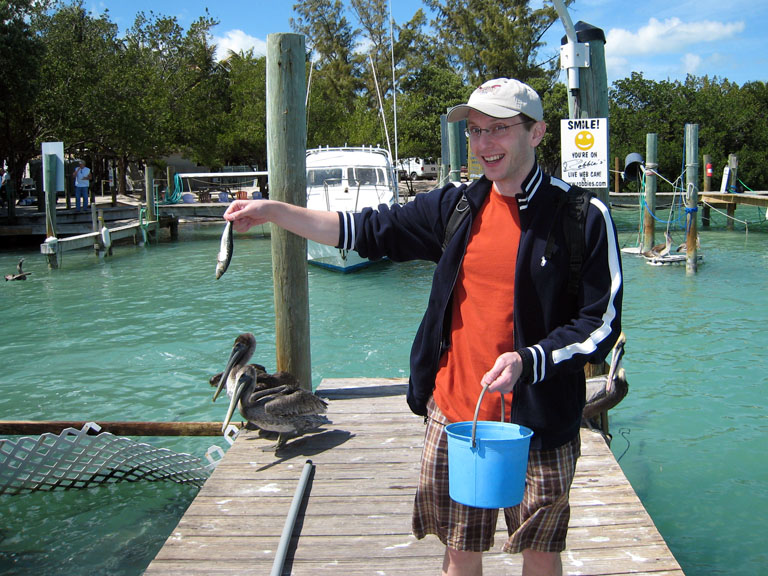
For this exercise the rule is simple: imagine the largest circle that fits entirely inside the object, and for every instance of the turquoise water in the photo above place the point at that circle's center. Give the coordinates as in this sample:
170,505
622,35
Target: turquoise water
136,337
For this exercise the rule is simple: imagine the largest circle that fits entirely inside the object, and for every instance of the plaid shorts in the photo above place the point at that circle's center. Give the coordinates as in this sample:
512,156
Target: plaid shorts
539,522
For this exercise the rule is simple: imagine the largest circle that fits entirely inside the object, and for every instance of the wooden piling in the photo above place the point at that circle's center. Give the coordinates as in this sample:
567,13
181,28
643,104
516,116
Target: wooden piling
454,147
590,100
691,196
733,179
651,164
149,187
286,153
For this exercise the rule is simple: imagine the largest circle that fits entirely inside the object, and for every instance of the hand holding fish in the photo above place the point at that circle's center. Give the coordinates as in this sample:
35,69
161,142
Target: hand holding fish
245,214
318,225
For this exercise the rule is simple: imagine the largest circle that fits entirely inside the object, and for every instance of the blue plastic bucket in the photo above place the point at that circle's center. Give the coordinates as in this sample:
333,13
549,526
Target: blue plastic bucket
487,462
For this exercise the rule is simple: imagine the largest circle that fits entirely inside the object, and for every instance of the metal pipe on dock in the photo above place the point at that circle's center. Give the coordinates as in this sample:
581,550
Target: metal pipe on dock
290,521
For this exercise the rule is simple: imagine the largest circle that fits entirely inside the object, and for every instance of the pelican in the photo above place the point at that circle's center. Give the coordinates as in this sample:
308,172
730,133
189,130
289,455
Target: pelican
606,391
272,402
684,246
21,275
660,249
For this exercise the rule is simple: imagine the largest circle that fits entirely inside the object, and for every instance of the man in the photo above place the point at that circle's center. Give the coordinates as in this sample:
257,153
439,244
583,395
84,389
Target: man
4,179
498,316
82,179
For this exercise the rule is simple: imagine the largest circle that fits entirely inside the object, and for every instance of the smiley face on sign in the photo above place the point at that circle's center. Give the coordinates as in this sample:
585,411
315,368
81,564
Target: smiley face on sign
584,140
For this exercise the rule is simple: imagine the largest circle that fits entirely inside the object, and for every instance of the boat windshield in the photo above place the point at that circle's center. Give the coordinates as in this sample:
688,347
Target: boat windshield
322,176
366,176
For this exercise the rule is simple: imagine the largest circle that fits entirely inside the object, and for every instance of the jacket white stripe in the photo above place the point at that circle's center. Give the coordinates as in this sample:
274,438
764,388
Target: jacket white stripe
348,233
539,363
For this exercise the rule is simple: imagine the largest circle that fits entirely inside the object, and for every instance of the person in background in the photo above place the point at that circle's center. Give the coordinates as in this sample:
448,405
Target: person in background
498,317
83,177
4,179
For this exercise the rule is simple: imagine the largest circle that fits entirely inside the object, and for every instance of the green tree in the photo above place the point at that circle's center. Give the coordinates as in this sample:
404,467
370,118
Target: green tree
487,39
21,54
428,93
243,137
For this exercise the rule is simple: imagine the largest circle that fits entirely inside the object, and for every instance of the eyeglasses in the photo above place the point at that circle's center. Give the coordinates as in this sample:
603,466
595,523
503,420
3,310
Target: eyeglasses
494,131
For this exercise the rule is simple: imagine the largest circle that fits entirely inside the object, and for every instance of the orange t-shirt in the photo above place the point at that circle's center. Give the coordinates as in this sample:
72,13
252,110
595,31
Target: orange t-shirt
481,312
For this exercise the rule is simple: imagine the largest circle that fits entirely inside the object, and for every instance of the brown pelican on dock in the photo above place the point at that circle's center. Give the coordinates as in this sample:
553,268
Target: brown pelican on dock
607,390
272,402
21,274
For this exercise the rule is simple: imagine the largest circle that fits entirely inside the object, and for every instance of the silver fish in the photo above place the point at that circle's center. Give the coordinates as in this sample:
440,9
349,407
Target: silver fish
226,249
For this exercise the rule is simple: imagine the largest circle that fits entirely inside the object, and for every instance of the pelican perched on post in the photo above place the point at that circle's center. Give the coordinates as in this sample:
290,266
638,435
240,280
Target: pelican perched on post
272,402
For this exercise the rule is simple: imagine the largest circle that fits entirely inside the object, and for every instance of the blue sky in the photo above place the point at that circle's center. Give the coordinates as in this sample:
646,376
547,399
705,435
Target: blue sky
663,39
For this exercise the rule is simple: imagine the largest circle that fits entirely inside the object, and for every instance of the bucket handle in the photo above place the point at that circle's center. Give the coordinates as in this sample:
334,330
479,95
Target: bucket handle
477,410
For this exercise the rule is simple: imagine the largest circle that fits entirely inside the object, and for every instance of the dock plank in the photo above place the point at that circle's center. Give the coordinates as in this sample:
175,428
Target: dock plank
357,517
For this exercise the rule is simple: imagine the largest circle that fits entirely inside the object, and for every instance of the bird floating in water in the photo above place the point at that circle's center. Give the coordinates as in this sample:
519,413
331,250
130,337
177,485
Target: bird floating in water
607,390
21,274
272,402
226,249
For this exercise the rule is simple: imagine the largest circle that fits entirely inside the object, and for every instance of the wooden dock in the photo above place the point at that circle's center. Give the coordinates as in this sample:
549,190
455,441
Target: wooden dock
356,516
729,202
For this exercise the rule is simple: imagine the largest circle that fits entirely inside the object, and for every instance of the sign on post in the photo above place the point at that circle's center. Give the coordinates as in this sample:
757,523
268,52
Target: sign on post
584,150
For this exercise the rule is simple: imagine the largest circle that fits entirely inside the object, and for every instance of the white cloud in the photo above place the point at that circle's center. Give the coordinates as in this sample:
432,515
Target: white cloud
236,41
668,36
692,63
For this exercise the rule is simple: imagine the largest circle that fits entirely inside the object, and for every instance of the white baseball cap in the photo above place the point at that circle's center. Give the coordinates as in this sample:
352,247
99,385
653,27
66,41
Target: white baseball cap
500,98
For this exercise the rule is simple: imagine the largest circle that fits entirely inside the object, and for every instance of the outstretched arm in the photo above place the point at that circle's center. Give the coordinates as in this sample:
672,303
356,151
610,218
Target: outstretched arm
318,225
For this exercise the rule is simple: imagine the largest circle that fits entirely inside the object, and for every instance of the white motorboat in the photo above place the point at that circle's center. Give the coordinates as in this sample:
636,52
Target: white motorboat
347,179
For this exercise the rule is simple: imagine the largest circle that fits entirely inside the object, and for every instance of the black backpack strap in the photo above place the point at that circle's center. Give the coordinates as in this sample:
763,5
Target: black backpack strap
574,204
578,203
550,247
460,212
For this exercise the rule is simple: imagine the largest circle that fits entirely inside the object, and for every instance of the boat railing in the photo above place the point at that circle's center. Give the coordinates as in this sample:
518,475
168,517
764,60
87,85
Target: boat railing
327,196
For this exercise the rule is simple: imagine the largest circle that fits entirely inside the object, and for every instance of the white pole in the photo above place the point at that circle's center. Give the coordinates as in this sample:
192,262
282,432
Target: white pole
394,81
381,105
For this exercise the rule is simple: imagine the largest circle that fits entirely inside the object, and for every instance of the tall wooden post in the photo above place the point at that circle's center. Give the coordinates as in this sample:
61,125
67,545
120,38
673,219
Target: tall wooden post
286,155
149,187
616,175
691,196
651,164
590,100
454,146
170,173
733,181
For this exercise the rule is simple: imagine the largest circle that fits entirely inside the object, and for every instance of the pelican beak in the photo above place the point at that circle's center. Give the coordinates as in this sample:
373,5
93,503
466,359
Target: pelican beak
241,384
238,350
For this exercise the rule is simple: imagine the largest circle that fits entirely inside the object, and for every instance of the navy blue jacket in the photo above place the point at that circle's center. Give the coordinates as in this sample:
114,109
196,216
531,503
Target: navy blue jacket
554,337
